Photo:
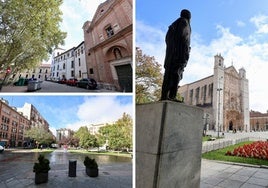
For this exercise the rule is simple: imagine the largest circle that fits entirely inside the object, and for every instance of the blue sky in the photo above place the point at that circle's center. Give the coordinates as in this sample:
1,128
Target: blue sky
75,111
238,29
75,14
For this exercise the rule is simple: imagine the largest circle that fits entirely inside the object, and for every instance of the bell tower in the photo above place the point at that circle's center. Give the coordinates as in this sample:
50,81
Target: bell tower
244,99
218,91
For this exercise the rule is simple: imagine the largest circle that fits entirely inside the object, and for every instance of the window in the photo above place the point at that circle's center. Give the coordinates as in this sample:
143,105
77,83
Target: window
63,65
197,95
191,96
72,73
80,74
40,71
91,71
72,65
79,62
109,31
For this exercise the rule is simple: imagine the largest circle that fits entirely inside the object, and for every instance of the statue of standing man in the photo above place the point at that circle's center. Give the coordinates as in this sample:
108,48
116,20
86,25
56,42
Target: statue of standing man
177,54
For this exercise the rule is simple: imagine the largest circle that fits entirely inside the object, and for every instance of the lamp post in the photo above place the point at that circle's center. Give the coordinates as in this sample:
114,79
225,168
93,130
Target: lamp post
219,90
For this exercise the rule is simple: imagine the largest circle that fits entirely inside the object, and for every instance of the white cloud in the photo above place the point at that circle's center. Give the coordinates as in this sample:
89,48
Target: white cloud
102,109
152,40
250,53
240,23
75,14
261,22
91,6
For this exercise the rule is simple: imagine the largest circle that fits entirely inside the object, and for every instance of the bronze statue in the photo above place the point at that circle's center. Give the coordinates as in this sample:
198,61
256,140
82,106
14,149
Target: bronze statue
177,54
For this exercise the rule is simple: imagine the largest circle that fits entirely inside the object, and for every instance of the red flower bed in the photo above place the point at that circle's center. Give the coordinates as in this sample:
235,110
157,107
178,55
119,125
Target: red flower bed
257,149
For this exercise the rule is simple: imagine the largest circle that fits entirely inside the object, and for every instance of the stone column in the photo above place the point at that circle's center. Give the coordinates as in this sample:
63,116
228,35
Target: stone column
168,145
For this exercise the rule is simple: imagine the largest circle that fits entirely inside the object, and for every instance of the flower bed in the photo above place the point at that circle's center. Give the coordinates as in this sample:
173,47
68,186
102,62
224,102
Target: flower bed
257,150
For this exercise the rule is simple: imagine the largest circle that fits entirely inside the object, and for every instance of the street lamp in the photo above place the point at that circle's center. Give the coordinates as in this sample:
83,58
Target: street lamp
219,90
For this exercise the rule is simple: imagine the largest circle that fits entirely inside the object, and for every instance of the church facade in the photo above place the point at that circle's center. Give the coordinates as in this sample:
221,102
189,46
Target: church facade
108,45
224,96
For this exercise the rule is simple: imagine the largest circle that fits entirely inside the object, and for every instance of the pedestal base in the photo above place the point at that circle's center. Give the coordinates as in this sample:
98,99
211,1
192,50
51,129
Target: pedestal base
168,145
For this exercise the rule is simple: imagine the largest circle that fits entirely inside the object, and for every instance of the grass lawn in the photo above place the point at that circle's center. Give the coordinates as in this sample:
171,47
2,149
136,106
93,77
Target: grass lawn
220,155
120,154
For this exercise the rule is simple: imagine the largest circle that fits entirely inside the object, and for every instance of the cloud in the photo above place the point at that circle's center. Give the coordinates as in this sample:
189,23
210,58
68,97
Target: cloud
249,52
102,109
75,14
91,6
151,39
240,23
261,23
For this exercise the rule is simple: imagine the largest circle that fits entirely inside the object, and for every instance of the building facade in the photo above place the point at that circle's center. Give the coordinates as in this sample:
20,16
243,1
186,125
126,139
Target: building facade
69,64
41,72
224,96
13,125
258,121
108,45
94,128
63,134
34,116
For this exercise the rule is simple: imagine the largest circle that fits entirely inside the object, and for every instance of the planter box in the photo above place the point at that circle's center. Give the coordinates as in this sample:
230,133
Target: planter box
41,178
92,172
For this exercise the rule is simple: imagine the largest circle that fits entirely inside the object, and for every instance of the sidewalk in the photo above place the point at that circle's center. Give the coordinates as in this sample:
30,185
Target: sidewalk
14,89
216,174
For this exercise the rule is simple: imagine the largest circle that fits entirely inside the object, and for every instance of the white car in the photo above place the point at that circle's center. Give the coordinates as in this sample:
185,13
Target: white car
1,149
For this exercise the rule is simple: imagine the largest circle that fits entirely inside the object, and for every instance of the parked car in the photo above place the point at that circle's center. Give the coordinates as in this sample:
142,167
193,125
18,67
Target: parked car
72,82
1,149
88,83
62,81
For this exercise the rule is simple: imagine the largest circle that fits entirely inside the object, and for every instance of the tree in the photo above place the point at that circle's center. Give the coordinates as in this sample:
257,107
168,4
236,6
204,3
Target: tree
86,139
40,135
29,30
148,78
119,134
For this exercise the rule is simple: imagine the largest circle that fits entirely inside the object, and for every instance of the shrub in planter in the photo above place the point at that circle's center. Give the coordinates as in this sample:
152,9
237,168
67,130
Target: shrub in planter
41,170
91,167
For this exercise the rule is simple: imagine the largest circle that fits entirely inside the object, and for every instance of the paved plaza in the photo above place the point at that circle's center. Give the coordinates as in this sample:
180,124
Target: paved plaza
50,87
215,174
17,172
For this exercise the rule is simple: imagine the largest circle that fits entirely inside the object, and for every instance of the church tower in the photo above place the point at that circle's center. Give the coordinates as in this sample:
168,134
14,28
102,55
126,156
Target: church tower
218,91
244,98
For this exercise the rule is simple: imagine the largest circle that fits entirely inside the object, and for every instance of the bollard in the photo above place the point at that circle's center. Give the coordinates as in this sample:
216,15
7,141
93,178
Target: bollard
72,168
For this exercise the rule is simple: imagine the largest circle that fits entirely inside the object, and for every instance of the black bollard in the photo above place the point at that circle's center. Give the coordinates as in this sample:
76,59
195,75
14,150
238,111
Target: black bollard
72,168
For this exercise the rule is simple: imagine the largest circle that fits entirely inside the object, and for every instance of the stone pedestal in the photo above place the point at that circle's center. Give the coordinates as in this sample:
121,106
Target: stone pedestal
168,145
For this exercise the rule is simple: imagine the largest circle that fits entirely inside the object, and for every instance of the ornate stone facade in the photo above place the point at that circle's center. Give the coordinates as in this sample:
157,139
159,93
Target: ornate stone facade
223,96
108,45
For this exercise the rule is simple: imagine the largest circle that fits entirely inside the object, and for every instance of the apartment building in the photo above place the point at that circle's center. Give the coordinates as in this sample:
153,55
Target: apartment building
13,125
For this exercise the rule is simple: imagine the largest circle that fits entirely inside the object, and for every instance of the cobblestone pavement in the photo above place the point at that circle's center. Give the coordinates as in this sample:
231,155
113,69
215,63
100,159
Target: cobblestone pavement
16,171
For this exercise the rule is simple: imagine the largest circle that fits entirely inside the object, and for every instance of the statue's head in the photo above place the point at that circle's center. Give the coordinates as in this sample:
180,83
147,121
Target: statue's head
186,14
